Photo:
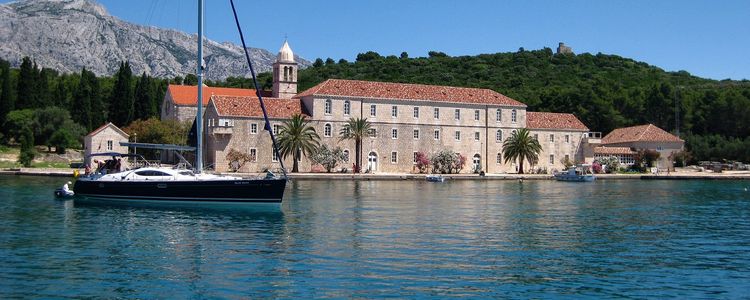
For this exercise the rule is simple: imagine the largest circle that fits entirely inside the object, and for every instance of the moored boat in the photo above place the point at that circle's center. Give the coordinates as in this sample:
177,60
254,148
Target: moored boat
434,178
579,173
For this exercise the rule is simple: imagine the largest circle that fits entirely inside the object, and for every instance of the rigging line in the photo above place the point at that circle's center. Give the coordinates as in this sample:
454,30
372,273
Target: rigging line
257,91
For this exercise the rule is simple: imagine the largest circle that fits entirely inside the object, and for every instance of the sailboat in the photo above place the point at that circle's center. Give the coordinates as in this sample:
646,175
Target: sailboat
183,186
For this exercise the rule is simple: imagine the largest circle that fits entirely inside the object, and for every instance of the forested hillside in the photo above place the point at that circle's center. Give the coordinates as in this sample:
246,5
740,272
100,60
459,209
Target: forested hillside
604,91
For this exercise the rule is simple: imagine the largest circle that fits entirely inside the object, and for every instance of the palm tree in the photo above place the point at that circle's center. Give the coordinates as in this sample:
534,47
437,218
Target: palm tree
297,137
356,129
521,146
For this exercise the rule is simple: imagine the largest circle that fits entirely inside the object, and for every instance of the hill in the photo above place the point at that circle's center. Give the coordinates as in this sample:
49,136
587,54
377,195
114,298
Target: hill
67,35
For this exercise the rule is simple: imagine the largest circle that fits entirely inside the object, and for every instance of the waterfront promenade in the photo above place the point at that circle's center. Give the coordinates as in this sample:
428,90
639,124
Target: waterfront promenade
680,174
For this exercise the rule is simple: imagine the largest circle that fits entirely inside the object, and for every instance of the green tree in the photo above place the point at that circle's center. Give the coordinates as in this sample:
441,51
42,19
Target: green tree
190,79
26,84
80,108
17,122
27,147
318,63
7,104
520,146
297,138
356,129
143,107
328,157
121,100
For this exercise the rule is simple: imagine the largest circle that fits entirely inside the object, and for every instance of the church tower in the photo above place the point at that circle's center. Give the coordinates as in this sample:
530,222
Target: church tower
285,74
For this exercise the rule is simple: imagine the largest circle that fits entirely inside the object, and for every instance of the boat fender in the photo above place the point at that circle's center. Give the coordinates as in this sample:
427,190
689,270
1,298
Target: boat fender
76,173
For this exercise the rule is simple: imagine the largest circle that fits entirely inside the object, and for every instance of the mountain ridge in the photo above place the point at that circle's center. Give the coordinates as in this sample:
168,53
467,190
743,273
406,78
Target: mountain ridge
67,35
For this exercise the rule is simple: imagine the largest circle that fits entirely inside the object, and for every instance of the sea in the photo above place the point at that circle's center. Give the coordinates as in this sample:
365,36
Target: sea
387,239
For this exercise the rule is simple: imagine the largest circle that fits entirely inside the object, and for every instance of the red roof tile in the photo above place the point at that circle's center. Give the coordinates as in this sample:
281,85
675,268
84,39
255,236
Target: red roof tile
613,150
405,91
233,106
547,120
96,131
640,133
187,94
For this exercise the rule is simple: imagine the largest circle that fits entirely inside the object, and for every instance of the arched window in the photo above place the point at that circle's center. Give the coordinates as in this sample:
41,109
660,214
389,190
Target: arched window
499,115
499,136
346,155
327,130
286,73
328,106
347,107
513,114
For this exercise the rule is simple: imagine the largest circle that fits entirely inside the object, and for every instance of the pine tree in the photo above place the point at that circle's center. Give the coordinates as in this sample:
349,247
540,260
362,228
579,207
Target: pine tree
25,96
143,98
6,95
27,147
80,108
121,100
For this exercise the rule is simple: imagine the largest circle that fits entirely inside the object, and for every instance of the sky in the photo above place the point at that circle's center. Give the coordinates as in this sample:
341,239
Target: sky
706,38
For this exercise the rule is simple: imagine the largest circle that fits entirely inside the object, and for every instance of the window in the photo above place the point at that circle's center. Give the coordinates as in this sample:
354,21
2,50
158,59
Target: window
551,159
513,115
328,106
436,113
394,133
110,144
476,115
457,114
210,122
346,130
253,154
437,134
499,136
394,111
458,135
499,115
274,157
394,157
567,138
347,107
226,122
372,132
415,157
476,135
327,130
659,148
253,128
551,138
499,158
536,136
416,134
276,128
346,155
567,158
416,112
373,110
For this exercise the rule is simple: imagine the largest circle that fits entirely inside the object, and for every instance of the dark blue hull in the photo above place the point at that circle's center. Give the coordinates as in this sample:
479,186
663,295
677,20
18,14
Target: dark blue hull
243,191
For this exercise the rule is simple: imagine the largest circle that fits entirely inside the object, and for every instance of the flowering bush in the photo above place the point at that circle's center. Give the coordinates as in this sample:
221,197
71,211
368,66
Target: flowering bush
422,162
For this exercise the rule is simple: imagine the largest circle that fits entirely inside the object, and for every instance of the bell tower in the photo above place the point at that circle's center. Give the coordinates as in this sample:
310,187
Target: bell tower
285,73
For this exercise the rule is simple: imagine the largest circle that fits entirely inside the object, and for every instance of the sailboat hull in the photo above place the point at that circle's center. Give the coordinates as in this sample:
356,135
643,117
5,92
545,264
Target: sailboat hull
244,191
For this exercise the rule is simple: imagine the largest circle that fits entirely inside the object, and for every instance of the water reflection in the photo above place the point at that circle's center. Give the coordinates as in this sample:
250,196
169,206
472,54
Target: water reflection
479,239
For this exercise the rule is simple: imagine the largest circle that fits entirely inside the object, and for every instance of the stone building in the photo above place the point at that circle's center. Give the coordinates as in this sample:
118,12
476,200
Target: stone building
106,138
405,118
180,101
644,137
562,49
562,136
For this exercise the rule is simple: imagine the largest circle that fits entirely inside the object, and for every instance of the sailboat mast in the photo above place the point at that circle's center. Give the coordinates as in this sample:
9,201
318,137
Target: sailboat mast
199,116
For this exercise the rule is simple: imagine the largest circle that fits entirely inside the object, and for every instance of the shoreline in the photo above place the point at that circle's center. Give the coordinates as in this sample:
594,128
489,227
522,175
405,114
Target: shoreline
731,175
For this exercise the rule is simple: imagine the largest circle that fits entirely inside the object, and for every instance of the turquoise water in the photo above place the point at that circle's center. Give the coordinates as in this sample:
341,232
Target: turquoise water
536,239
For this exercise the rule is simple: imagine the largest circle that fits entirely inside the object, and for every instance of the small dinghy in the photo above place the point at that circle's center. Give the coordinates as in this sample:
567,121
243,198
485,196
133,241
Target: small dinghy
64,192
434,178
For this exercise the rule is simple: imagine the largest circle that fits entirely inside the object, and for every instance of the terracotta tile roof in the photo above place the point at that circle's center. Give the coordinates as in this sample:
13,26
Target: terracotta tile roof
96,131
613,150
234,106
187,94
640,133
405,91
546,120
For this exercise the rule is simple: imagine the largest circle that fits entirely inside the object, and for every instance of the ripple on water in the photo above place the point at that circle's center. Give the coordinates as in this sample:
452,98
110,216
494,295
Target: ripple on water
535,239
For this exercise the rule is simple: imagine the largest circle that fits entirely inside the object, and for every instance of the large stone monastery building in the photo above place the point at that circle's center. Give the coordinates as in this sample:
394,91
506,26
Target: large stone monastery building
406,119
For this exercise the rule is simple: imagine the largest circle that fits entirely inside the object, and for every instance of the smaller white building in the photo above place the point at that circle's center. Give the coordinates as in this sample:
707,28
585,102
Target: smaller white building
106,138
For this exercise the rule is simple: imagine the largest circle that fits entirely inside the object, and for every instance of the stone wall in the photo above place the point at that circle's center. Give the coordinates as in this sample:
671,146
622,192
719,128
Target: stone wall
106,140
